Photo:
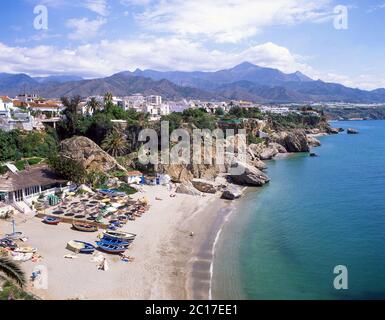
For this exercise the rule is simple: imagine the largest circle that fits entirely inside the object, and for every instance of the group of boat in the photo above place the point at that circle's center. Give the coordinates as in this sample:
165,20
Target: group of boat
111,242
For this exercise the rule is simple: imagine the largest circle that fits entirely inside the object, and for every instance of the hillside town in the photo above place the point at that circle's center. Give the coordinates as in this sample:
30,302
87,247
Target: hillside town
30,112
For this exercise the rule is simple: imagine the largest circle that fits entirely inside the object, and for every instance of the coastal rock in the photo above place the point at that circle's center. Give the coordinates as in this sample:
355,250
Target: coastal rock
259,164
352,131
280,148
244,174
255,149
88,155
232,193
313,131
268,153
187,188
313,142
333,130
293,141
204,186
181,173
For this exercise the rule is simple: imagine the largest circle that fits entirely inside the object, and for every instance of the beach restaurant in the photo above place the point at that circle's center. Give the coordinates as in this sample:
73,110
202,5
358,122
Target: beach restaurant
27,184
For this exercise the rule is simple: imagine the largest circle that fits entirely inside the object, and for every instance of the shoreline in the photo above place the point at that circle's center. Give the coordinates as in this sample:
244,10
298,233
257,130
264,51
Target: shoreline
162,252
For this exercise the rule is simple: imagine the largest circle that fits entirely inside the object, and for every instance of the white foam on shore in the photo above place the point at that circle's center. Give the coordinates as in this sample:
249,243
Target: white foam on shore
217,237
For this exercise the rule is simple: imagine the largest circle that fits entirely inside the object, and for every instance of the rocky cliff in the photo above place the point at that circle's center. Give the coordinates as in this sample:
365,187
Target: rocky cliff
89,155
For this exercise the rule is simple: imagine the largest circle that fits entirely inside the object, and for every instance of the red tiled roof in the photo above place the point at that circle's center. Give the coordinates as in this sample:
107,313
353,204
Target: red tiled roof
5,99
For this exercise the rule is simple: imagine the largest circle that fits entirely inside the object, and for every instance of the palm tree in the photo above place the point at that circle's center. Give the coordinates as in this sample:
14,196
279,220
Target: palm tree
12,270
93,105
71,112
115,143
108,97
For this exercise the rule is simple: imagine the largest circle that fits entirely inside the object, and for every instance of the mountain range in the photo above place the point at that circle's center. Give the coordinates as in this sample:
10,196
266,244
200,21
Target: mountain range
245,81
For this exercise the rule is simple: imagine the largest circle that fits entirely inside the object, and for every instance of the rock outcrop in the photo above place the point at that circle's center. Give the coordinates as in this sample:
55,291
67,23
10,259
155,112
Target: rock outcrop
352,131
313,142
268,153
181,173
280,148
204,186
88,155
292,141
248,175
187,188
232,193
333,131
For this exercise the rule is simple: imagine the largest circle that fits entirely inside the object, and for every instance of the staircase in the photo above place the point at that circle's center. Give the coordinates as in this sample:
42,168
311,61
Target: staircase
24,208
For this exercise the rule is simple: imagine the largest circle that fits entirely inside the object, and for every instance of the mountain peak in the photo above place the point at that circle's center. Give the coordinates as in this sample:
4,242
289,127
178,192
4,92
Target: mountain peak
301,76
244,65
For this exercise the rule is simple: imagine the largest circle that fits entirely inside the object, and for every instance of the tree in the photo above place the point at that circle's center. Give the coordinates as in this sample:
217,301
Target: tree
12,270
71,112
108,97
93,105
219,112
115,143
67,168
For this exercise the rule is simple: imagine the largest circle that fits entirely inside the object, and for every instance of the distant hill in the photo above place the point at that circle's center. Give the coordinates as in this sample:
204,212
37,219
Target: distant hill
120,84
57,79
243,82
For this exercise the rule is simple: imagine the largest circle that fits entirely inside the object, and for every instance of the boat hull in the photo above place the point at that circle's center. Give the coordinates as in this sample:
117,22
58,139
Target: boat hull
111,249
84,227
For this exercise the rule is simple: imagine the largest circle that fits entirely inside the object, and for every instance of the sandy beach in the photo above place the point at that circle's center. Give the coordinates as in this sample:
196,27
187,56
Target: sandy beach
168,263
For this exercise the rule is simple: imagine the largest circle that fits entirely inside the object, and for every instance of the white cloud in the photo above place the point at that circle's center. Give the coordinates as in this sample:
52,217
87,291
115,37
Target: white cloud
108,57
98,6
229,20
135,2
84,28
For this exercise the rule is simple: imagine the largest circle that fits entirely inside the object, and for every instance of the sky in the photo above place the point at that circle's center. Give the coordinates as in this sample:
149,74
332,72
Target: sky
333,40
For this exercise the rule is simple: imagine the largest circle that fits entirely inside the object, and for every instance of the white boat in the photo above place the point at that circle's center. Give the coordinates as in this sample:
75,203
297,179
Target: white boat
119,235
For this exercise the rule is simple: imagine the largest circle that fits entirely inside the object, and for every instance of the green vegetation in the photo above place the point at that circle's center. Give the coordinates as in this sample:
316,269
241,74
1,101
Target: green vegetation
67,168
252,139
238,112
98,126
124,187
12,271
295,120
21,164
11,291
16,144
115,143
199,118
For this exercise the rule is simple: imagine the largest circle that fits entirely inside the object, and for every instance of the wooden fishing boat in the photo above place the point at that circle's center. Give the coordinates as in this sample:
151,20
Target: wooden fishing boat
51,220
80,247
116,242
8,243
81,226
113,249
125,236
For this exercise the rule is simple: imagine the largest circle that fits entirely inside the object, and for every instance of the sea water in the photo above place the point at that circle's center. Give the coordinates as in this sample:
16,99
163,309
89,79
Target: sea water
286,238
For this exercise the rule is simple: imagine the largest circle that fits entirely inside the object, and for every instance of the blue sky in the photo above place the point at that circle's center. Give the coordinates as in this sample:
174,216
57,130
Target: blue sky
93,38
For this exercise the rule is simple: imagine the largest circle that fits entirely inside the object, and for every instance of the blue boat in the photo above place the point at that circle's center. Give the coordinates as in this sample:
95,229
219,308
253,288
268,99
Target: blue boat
51,220
111,192
109,248
115,242
7,243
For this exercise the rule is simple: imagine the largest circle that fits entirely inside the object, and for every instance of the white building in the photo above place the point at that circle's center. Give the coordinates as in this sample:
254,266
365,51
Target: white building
27,97
154,100
13,118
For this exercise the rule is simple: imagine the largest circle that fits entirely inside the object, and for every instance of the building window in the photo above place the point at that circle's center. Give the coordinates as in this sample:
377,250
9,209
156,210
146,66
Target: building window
18,195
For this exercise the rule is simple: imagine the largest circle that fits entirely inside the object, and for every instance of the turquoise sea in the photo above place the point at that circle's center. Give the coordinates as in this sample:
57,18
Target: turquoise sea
285,239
